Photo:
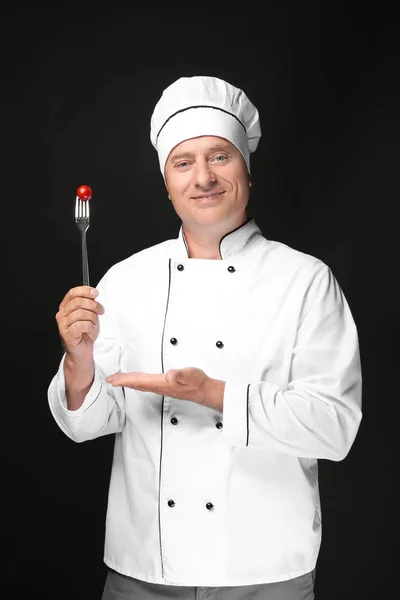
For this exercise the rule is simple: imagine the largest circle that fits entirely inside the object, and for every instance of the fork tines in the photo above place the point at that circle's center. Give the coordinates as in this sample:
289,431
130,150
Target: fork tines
82,210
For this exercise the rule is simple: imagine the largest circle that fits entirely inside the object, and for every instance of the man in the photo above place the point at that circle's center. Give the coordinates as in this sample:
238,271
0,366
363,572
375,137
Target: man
225,364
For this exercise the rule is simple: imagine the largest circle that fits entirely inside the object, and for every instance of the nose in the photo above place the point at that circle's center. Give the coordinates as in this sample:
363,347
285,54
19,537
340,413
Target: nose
204,174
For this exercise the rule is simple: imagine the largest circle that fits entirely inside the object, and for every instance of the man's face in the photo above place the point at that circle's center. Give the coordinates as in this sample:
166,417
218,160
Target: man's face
207,181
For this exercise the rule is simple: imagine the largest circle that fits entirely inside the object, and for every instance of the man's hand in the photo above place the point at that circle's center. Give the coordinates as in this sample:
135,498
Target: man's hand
78,325
184,384
78,322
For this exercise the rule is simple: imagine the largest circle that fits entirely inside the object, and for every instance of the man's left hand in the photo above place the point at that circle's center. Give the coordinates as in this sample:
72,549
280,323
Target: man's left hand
184,384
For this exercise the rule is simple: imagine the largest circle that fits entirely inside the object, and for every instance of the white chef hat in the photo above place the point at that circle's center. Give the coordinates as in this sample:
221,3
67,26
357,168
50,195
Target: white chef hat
195,106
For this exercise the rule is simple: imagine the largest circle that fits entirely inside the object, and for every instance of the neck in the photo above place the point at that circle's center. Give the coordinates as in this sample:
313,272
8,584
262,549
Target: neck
204,241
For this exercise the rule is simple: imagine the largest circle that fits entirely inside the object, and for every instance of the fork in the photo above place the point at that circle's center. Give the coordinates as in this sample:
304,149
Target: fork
82,220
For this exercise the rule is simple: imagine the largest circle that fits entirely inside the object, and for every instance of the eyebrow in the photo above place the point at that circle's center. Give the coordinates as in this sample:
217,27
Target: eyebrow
210,150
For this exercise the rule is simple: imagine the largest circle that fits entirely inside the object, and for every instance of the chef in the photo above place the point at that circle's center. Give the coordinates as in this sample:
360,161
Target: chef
226,364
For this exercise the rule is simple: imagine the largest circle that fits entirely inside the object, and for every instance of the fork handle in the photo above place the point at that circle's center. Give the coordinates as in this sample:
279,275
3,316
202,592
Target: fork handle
85,264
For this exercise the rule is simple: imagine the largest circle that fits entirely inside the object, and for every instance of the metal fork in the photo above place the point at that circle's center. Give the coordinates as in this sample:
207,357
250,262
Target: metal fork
82,219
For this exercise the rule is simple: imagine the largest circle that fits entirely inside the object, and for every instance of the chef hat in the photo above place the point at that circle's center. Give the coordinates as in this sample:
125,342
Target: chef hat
195,106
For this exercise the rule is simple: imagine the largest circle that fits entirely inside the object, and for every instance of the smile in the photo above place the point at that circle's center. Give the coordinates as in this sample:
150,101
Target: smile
209,196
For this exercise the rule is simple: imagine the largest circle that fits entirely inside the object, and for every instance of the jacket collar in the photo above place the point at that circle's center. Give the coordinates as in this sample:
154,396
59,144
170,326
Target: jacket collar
231,243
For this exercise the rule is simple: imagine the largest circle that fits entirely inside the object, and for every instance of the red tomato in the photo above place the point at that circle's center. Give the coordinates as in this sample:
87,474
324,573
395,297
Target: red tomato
84,192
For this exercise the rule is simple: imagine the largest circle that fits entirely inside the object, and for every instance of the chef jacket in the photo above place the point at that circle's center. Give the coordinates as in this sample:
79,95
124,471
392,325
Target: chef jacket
200,497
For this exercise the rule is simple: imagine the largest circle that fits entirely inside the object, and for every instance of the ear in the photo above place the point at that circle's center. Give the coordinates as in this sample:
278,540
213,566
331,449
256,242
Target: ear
166,187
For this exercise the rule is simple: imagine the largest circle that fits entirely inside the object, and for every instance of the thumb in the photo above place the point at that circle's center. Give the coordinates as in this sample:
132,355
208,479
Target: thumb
174,375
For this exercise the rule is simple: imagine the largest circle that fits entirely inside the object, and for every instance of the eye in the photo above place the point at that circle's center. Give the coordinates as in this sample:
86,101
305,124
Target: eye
182,164
220,158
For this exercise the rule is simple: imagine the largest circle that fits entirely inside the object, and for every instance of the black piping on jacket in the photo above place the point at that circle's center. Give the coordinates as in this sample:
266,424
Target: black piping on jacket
162,417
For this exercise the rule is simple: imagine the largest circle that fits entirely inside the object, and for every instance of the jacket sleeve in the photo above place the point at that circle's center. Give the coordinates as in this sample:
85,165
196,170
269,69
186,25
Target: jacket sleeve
103,410
319,413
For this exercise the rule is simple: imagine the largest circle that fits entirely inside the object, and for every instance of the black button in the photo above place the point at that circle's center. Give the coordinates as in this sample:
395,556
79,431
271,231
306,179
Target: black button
209,506
219,345
180,267
218,425
174,420
171,503
173,341
231,269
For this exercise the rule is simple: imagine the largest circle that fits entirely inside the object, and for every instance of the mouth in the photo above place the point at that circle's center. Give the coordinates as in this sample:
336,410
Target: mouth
209,196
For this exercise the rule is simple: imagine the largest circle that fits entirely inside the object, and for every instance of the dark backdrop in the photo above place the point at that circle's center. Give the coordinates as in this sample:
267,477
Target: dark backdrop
78,86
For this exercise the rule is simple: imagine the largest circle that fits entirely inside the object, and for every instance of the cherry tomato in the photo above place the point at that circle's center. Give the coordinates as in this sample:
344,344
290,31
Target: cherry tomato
84,192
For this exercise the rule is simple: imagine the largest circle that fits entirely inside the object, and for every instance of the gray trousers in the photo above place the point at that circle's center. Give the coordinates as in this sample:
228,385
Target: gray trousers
121,587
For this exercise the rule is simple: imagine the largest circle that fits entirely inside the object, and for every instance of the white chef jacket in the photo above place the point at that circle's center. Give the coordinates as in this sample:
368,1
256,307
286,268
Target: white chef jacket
200,497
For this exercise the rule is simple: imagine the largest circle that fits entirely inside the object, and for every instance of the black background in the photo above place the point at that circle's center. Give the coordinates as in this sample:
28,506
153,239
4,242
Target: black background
78,86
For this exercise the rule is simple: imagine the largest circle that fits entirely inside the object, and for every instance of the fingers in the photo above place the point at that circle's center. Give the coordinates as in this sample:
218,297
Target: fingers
73,325
173,375
82,291
81,304
67,319
80,298
78,314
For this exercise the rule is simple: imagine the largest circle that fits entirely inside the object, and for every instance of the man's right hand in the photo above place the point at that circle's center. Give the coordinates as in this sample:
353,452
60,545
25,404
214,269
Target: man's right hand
78,322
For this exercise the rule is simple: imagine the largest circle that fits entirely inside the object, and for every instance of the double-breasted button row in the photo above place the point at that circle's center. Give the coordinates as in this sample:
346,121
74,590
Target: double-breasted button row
230,268
174,341
175,421
209,505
